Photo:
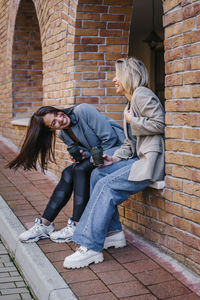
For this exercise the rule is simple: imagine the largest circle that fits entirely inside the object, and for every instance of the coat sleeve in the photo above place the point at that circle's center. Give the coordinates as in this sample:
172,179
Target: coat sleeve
65,138
125,151
151,115
100,124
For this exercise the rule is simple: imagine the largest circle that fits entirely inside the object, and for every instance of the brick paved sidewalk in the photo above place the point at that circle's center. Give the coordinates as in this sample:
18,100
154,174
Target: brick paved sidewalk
12,285
134,272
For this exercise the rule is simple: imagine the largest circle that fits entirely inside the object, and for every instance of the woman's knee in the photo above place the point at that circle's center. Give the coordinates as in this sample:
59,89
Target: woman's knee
67,174
95,176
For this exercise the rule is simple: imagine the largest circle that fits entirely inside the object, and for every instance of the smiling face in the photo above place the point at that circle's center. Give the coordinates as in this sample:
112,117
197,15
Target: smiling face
118,85
56,121
120,88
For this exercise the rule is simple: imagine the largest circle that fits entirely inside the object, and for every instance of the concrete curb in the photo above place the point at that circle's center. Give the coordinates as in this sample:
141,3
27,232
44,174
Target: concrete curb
40,274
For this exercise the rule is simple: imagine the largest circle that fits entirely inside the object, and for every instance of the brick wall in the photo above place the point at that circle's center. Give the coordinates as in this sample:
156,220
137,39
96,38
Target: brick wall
80,40
182,57
101,37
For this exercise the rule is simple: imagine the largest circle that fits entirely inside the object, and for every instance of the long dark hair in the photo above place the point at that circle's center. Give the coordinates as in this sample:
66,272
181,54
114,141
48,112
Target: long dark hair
39,143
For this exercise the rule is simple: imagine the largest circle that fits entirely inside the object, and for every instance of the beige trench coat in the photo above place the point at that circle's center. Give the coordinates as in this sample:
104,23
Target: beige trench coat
147,125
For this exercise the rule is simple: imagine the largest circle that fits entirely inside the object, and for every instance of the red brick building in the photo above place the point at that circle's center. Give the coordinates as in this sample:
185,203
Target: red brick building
62,52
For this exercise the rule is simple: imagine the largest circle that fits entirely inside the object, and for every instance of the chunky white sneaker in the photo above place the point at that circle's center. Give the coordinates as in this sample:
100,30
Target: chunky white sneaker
65,234
116,240
82,258
37,232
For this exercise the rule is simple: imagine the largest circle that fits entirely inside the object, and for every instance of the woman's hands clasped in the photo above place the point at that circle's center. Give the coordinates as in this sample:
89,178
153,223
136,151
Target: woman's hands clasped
109,160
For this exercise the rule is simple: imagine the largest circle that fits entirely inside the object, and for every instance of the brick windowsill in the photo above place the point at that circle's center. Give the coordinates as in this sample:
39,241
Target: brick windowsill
158,185
21,122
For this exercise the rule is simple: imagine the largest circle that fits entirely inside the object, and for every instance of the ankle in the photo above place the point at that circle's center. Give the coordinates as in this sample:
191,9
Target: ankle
45,222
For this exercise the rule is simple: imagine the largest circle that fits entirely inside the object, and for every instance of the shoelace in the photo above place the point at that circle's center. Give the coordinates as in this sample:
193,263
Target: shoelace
36,228
82,249
66,229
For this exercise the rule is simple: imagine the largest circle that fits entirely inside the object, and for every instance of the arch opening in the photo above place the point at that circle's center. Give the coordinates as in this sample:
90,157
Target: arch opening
146,41
27,91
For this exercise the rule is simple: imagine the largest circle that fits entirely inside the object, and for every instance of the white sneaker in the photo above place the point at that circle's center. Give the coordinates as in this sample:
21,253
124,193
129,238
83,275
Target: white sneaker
37,232
82,258
65,234
116,240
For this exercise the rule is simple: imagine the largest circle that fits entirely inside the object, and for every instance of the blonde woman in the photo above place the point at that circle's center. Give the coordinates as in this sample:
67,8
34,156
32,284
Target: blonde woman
133,167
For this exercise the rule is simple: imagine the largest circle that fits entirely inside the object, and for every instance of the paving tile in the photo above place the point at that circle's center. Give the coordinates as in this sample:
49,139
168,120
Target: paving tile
26,296
26,219
116,277
9,264
4,274
141,265
104,296
169,289
185,297
11,279
154,276
54,247
128,289
106,265
7,285
4,258
20,284
24,212
59,255
80,275
6,269
13,291
23,206
86,288
142,297
10,297
107,256
130,255
22,201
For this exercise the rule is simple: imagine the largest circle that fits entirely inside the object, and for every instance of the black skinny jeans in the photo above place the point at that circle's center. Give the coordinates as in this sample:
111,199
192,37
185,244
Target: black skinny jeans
75,178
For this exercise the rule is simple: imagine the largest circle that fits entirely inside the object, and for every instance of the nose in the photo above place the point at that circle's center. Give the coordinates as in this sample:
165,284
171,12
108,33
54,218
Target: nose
114,79
60,119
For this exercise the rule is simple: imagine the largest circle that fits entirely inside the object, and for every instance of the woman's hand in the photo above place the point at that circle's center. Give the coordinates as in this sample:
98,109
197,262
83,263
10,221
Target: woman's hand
84,154
109,160
128,115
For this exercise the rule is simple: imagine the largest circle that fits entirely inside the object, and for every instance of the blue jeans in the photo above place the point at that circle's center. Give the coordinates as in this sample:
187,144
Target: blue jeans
110,187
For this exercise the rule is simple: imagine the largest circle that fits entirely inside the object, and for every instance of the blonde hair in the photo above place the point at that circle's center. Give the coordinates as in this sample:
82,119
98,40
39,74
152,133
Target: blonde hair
132,73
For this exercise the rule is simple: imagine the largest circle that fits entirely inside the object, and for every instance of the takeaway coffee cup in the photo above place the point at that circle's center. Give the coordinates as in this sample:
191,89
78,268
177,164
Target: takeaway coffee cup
75,153
97,153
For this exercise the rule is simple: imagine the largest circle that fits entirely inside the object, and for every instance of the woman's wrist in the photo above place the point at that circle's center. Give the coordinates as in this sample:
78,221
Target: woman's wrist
115,159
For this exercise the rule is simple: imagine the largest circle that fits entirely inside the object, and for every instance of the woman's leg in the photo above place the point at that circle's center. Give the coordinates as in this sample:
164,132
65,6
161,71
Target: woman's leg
109,191
61,195
81,181
99,173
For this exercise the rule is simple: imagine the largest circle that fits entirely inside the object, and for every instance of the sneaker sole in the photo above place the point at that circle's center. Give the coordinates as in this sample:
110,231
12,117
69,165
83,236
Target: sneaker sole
61,241
76,265
34,240
118,244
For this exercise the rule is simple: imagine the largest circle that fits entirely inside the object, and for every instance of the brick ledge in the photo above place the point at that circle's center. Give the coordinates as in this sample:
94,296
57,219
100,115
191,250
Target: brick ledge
21,122
158,185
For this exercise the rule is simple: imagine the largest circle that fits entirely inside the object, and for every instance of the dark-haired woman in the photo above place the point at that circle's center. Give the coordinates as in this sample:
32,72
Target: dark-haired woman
81,125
